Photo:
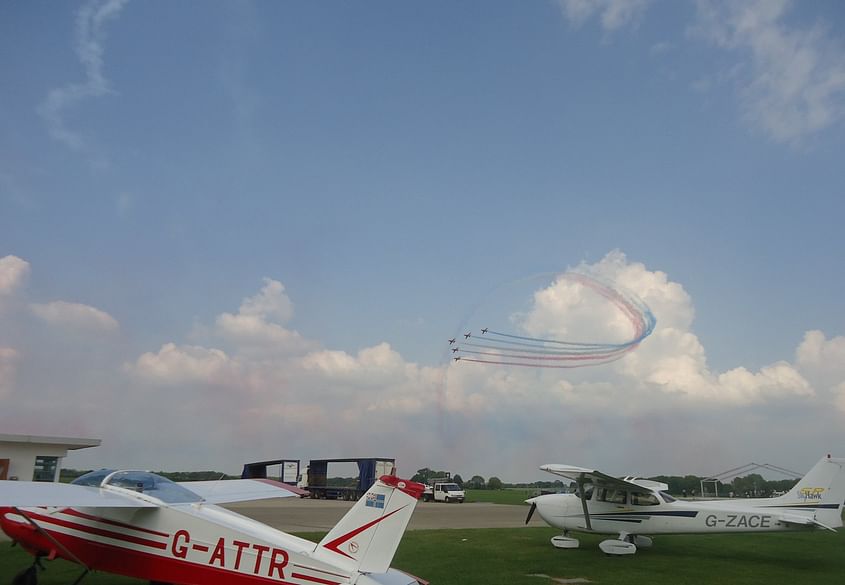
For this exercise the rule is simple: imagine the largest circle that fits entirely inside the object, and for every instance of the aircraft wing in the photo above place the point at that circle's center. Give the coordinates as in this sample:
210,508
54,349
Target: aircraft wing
597,478
31,494
228,491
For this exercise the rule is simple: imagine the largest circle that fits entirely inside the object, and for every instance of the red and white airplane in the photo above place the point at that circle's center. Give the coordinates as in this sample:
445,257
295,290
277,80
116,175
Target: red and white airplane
634,508
142,525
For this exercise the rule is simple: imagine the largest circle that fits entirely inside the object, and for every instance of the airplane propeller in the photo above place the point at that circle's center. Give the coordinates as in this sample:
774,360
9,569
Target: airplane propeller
531,512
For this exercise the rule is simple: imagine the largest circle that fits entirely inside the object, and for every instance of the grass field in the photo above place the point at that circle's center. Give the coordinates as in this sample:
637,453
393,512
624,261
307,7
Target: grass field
508,496
511,556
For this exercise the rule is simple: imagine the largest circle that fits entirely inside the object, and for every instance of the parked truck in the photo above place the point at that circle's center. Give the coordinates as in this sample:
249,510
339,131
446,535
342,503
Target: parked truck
443,490
316,479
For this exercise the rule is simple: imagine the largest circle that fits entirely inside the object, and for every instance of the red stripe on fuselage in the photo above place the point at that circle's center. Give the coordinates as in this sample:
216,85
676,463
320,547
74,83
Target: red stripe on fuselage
97,531
152,567
78,514
314,579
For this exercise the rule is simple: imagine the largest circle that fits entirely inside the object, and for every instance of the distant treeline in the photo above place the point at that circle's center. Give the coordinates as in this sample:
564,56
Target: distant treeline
753,485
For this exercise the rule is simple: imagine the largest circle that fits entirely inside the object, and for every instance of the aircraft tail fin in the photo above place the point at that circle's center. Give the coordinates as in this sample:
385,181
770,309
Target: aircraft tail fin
366,538
821,491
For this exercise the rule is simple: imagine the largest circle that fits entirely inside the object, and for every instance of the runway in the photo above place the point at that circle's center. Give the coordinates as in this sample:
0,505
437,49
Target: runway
306,515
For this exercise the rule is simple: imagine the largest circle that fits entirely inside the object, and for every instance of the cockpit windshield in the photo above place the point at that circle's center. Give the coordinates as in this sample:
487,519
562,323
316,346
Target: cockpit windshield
93,478
143,482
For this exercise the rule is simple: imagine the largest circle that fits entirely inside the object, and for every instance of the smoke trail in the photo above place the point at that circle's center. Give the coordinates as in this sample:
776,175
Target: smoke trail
511,349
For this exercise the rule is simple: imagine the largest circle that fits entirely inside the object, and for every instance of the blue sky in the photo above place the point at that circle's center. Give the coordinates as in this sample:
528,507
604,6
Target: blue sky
394,167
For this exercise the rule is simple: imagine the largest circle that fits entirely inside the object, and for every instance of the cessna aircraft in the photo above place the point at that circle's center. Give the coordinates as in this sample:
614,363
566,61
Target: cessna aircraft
451,341
142,525
634,508
483,331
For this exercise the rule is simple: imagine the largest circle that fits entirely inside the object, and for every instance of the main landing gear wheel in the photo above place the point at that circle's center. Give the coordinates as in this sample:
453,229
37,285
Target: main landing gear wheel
565,542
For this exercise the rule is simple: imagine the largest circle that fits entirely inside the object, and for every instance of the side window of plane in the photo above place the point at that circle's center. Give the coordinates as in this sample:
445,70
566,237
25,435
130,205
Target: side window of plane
588,492
611,496
643,499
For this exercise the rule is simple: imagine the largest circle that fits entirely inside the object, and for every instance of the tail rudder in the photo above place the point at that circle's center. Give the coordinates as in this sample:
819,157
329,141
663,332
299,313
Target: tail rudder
366,538
821,490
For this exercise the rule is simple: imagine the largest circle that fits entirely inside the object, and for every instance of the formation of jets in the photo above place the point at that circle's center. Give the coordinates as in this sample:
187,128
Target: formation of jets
467,335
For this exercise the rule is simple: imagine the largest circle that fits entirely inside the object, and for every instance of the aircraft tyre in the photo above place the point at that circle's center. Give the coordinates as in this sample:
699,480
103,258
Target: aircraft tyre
565,542
641,541
615,547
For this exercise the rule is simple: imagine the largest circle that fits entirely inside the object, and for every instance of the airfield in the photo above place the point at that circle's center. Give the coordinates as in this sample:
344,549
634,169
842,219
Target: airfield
479,543
304,515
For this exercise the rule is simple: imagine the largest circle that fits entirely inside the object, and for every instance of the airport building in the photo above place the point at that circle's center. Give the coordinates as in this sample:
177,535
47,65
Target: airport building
30,458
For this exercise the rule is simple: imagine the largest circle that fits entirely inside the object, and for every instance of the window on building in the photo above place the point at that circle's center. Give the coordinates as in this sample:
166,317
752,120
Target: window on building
45,468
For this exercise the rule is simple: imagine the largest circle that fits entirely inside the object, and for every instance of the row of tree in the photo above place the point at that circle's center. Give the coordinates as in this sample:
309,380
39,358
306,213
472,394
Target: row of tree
749,486
476,482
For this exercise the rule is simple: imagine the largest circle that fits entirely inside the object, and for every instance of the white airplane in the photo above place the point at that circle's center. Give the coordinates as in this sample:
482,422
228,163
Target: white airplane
142,525
634,508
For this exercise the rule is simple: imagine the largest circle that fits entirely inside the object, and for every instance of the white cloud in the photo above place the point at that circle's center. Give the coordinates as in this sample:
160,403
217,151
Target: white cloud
174,365
822,361
74,315
816,351
792,81
839,399
613,14
252,329
469,418
9,358
672,360
270,302
90,37
13,274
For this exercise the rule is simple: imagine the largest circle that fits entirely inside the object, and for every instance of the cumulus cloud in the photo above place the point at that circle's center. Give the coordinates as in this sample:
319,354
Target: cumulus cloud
13,274
174,364
791,80
672,360
89,47
471,418
9,358
822,361
258,324
75,315
613,14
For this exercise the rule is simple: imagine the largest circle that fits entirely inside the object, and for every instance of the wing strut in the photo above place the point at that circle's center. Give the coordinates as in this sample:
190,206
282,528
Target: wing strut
55,542
583,497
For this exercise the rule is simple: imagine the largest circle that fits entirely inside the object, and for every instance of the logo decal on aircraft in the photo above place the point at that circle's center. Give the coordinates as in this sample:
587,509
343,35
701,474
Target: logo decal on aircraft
375,500
811,493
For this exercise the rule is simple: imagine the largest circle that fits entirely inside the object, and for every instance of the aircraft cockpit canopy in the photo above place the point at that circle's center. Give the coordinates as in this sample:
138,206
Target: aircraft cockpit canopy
143,482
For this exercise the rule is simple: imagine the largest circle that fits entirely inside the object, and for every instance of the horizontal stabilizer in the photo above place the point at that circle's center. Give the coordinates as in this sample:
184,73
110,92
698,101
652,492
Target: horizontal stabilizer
803,521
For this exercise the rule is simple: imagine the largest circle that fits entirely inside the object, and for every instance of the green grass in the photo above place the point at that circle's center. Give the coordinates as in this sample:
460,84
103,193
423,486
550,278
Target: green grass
508,556
507,496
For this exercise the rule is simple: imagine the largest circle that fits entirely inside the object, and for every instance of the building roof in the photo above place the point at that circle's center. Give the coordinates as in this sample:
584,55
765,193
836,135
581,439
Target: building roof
68,442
